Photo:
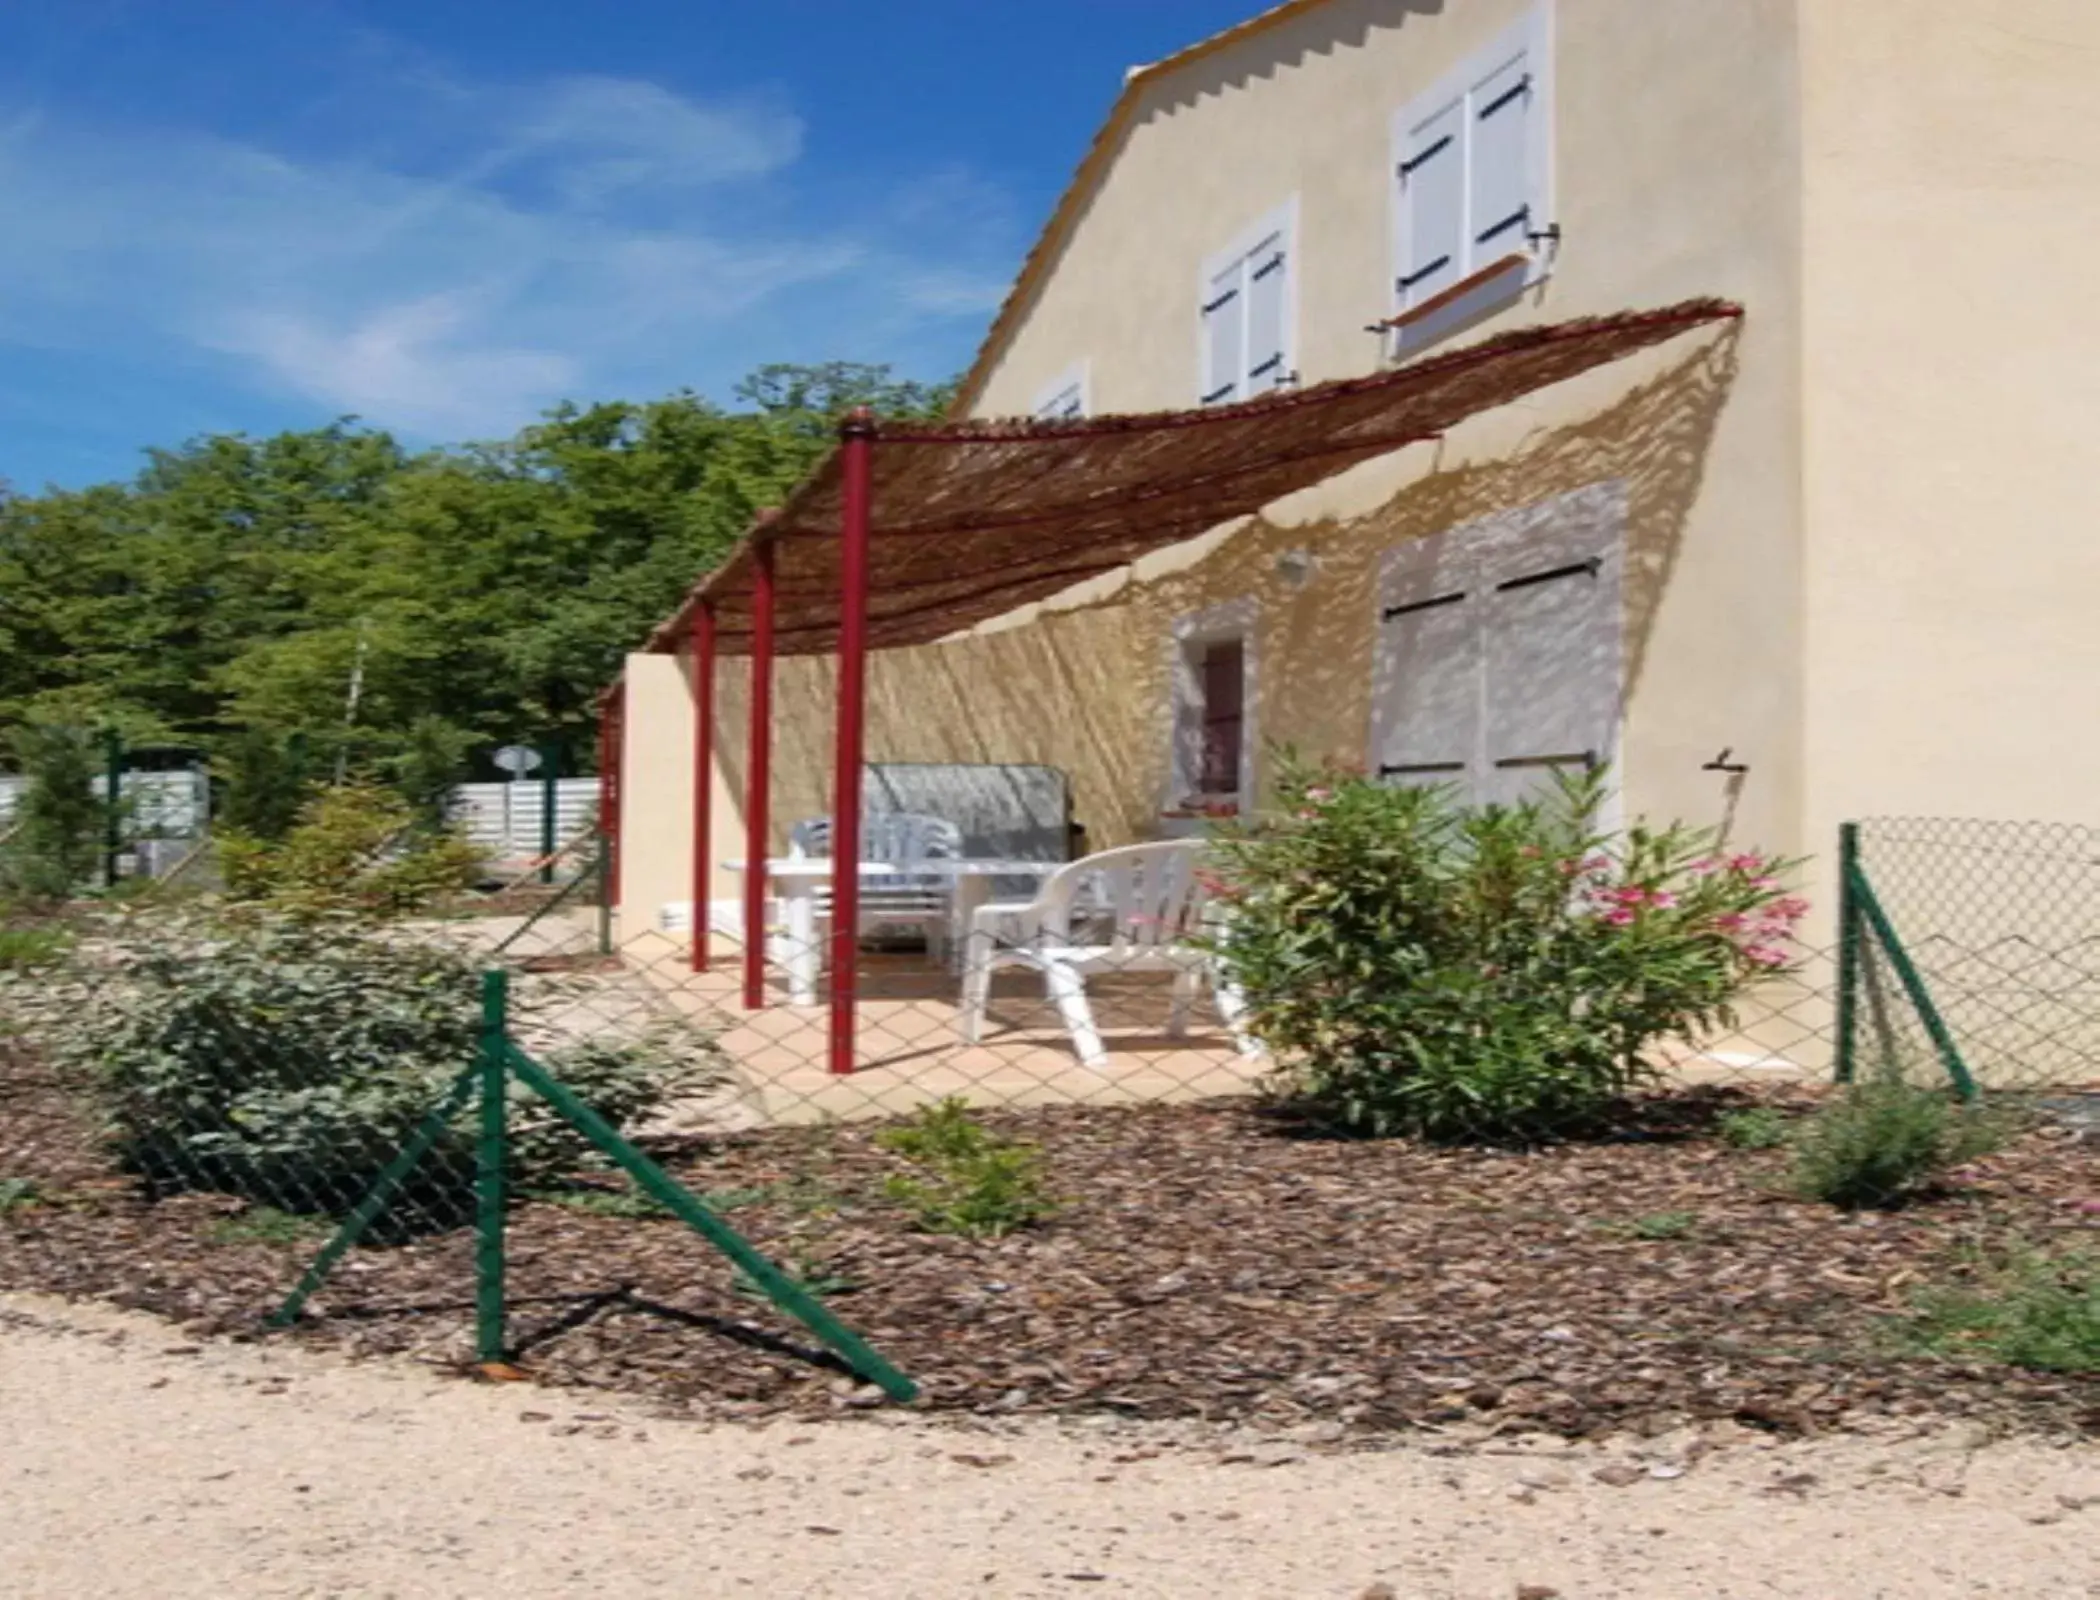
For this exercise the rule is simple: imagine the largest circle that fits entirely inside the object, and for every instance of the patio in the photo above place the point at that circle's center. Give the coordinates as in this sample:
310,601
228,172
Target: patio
910,533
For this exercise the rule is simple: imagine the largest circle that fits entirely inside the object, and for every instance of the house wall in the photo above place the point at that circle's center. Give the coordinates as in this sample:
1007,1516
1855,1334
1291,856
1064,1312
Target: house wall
1952,400
1675,177
656,803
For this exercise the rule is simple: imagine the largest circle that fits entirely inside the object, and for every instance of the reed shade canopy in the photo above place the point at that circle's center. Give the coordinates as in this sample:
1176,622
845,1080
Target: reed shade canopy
972,519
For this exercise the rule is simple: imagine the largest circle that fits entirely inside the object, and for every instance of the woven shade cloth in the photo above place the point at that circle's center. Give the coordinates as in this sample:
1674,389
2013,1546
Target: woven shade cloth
973,519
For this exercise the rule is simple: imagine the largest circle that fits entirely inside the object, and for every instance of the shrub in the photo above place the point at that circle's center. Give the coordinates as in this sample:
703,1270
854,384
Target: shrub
54,848
266,782
288,1060
2031,1310
1883,1143
356,848
1755,1128
1499,973
965,1179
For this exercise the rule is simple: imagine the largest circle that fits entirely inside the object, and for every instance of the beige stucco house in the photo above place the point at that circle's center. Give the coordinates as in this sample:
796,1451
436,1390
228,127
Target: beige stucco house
1838,558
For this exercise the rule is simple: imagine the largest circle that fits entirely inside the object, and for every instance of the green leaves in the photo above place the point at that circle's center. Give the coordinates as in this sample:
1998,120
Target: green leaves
1499,973
490,589
965,1179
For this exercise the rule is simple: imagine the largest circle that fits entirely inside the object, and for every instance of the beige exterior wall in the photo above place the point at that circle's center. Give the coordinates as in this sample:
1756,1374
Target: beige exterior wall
656,801
1685,187
1953,401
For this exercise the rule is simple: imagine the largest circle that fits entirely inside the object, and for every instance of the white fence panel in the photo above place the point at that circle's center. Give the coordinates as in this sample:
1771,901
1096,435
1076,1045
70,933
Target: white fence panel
503,819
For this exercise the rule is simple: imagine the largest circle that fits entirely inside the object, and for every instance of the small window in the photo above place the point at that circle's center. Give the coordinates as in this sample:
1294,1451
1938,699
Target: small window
1472,164
1212,764
1066,399
1247,306
1224,680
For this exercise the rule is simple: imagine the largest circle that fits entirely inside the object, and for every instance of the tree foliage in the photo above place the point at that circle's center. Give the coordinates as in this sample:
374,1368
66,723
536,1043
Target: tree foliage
475,594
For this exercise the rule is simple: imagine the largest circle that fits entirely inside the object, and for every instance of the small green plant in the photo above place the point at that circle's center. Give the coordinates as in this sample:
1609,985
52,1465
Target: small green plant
629,1204
1664,1225
266,1225
22,949
19,1194
965,1179
1756,1128
2028,1310
1883,1143
806,1267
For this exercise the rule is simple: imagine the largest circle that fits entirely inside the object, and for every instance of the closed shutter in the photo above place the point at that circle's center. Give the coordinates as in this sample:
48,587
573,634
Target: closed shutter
1067,405
1426,692
1268,277
1551,632
1224,343
1432,206
1499,182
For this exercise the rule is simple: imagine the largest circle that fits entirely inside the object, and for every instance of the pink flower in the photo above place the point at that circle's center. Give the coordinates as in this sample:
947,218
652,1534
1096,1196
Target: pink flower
1620,917
1792,908
1731,922
1765,955
1764,883
1662,898
1706,865
1746,863
1631,895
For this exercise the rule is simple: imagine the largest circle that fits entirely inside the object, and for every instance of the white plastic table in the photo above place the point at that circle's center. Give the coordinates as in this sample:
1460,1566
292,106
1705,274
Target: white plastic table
796,879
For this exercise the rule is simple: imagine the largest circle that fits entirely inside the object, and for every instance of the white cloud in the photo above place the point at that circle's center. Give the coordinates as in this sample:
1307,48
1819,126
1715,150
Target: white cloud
489,250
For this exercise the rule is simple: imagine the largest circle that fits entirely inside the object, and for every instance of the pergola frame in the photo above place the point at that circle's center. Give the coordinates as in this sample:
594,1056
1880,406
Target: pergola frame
1132,493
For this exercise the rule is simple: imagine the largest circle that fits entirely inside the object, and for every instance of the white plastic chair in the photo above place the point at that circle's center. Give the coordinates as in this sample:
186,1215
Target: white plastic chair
1135,909
904,898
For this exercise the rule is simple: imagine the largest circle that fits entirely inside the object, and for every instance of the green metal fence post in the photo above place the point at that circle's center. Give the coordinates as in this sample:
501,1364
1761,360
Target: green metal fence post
603,867
112,801
1913,982
550,803
488,1168
1848,953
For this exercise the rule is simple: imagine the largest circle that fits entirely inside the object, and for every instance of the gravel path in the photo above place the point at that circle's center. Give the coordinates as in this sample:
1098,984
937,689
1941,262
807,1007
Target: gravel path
136,1463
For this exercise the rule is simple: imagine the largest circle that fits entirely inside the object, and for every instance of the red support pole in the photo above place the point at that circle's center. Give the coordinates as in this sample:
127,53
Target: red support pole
613,733
856,450
703,777
758,776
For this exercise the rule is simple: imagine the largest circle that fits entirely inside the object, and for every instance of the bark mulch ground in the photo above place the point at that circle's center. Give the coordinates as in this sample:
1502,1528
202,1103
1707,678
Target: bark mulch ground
1209,1262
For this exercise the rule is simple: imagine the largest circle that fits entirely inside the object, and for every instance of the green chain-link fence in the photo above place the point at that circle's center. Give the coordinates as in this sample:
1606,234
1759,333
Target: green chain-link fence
190,1108
1970,953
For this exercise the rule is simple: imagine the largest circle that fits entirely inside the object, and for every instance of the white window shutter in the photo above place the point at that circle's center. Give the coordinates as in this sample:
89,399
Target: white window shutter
1551,627
1432,206
1268,280
1224,336
1066,405
1426,689
1500,184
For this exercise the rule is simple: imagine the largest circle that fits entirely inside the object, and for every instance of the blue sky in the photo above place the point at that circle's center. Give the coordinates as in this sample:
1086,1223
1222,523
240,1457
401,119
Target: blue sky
444,216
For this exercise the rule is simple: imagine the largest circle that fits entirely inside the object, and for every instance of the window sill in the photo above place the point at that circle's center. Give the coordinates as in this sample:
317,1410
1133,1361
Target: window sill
1489,290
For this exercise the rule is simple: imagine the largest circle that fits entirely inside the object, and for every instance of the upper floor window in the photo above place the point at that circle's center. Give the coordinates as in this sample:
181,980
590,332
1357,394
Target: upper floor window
1249,308
1472,161
1066,399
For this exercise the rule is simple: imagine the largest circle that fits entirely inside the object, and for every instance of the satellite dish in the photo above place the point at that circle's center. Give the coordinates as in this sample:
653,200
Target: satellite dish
517,759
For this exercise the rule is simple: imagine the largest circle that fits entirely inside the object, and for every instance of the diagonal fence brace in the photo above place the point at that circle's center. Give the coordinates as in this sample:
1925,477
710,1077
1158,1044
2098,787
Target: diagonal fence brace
790,1296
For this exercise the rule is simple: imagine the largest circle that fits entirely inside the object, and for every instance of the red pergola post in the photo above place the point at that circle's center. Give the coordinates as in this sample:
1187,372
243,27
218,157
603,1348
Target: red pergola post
611,751
758,776
703,776
856,450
